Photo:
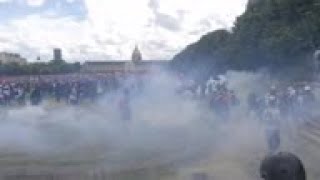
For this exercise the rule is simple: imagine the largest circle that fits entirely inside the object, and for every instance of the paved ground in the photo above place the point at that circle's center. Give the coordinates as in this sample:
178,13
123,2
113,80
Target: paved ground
243,162
236,154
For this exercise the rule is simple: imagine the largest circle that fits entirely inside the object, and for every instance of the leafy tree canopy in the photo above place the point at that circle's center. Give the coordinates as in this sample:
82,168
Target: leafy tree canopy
273,34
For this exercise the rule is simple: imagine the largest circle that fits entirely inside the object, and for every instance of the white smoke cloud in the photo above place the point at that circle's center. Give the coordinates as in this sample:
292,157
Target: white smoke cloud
165,129
157,131
168,130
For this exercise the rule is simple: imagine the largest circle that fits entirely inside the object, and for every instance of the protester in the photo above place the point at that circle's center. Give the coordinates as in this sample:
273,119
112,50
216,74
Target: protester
125,106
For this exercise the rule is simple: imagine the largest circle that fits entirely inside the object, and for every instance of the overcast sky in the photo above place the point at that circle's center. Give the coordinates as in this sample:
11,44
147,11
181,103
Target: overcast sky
109,29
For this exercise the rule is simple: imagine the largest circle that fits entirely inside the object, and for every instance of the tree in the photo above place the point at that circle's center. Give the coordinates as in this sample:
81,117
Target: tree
272,34
38,68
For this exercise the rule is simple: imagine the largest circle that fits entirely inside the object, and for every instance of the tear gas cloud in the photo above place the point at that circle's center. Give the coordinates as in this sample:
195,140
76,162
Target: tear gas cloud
165,128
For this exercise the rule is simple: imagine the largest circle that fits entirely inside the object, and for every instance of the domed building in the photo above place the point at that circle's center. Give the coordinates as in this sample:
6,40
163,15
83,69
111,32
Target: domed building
135,65
136,55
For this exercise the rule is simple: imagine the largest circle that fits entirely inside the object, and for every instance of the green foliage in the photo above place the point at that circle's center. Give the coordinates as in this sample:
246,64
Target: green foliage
203,56
272,34
36,68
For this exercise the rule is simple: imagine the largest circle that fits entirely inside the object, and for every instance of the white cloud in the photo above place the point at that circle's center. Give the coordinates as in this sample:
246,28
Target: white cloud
37,35
71,1
171,24
112,28
35,2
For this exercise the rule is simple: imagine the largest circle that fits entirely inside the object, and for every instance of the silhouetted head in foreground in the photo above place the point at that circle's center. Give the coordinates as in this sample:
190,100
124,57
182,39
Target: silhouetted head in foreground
282,166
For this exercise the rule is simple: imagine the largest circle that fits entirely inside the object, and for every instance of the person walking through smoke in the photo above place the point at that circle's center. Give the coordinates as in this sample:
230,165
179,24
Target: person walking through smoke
124,105
74,95
308,103
35,96
272,121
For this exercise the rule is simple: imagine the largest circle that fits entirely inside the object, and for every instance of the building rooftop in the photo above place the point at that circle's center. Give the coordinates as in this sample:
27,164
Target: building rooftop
97,62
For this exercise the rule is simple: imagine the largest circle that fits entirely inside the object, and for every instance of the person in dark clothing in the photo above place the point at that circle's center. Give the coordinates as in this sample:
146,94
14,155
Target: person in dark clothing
272,121
74,95
35,96
282,166
7,91
308,103
253,104
58,91
20,95
125,107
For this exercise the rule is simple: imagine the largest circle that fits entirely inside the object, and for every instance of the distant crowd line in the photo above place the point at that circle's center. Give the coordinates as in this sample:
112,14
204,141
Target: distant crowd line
71,89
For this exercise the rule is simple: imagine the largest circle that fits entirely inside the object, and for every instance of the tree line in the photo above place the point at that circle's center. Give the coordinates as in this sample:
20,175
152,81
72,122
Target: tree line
39,68
279,35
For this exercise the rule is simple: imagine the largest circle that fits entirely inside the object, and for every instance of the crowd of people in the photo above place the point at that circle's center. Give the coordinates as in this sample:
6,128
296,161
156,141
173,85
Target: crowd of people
221,99
70,89
295,102
291,102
